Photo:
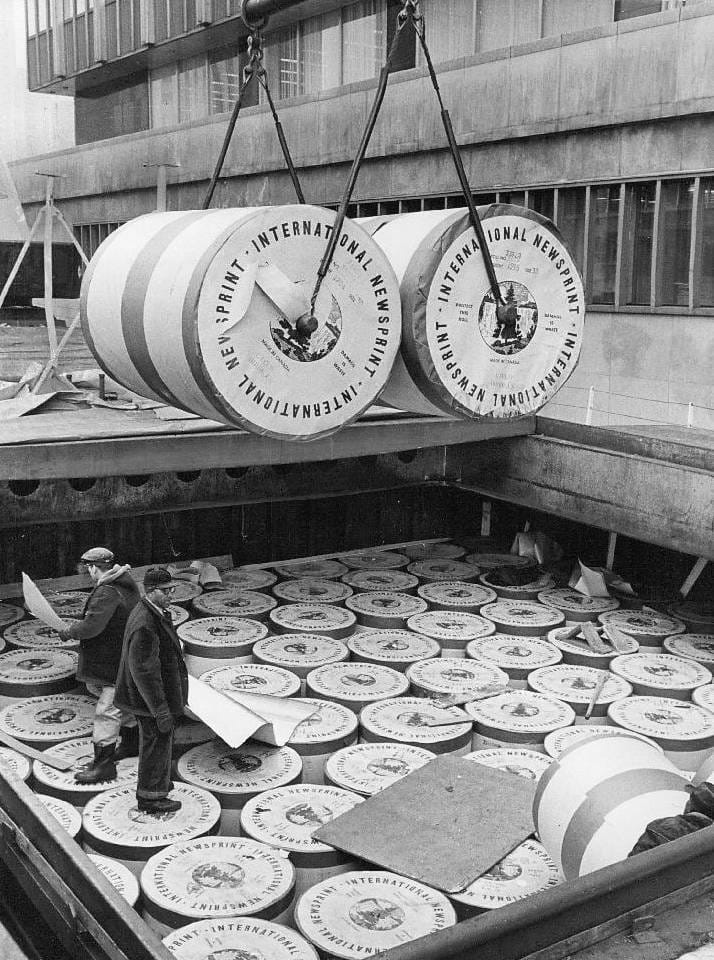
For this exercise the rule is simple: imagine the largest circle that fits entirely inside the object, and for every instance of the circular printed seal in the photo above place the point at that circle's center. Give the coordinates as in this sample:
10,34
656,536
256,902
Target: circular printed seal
66,815
558,741
252,579
114,826
330,727
234,603
496,580
79,752
446,679
178,614
123,880
390,580
492,561
693,646
253,678
216,877
576,686
410,720
311,590
698,616
184,592
14,764
234,774
45,721
68,604
26,673
434,551
383,609
662,674
577,606
221,637
456,595
523,617
300,652
355,684
287,817
442,569
520,716
313,618
392,648
577,651
526,870
516,760
452,628
9,614
312,569
517,656
673,724
374,560
367,768
649,628
368,911
36,635
238,939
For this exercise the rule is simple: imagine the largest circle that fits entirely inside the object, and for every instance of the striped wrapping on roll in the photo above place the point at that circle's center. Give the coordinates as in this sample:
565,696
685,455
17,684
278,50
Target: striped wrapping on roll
596,799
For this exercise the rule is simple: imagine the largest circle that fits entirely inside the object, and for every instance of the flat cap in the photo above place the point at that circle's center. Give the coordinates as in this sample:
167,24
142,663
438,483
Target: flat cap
156,577
98,555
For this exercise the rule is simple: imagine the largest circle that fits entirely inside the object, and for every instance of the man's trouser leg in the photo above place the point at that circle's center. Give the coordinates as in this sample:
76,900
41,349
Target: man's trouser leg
108,719
154,780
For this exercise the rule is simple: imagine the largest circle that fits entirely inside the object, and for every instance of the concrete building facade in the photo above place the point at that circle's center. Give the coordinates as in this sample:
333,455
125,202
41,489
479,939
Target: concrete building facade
596,113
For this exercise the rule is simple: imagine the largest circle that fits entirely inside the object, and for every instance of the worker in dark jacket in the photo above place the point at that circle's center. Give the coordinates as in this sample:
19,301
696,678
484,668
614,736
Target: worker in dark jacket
100,633
153,684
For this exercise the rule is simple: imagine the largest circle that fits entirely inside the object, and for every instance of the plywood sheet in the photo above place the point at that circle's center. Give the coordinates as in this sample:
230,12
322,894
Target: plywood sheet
444,825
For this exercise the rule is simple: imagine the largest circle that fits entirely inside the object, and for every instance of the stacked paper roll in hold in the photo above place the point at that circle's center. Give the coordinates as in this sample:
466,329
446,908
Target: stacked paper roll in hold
661,674
35,635
123,880
390,580
212,642
704,697
519,761
313,569
492,561
311,590
577,607
509,591
456,595
369,911
397,649
209,311
178,614
331,727
234,602
462,354
14,764
436,570
253,678
693,646
577,652
523,618
434,551
61,783
383,609
518,717
236,774
286,818
115,827
649,629
35,673
516,656
65,814
367,768
322,618
445,680
558,741
576,687
216,877
9,614
597,799
68,604
685,731
526,870
418,723
254,579
237,938
374,560
697,615
300,653
355,685
184,592
454,629
45,721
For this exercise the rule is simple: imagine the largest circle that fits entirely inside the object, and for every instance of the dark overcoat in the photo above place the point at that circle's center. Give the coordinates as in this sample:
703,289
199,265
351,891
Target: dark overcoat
101,630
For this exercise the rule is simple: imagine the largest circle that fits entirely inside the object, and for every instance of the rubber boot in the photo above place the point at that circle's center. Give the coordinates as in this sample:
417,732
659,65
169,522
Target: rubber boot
103,768
128,744
164,805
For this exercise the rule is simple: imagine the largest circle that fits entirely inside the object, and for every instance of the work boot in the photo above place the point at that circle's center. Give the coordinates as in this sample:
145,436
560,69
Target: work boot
128,744
163,805
103,768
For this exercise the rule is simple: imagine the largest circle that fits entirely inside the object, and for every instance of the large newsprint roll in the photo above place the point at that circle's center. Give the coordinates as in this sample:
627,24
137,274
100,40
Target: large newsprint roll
209,311
459,356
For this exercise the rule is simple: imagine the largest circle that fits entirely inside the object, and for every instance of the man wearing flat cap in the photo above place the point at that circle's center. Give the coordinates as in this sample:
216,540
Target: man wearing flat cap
100,633
153,684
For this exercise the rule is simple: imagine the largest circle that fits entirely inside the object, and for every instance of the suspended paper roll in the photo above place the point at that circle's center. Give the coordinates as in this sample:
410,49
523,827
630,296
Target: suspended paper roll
457,356
595,801
10,613
209,310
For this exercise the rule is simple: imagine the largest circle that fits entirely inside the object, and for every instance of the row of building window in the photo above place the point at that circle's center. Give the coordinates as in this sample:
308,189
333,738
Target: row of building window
641,246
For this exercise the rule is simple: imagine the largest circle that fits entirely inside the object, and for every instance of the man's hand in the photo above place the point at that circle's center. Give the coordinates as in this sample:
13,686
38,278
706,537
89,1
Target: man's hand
164,720
64,635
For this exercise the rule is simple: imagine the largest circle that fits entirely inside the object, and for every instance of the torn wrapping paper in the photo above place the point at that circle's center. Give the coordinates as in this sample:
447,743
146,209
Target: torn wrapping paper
198,571
39,607
236,717
597,581
539,546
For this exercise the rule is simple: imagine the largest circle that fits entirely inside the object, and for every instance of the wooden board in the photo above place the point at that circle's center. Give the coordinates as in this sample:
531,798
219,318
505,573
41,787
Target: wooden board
444,824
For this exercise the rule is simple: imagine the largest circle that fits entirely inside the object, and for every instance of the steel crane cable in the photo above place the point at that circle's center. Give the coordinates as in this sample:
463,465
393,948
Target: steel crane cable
254,70
409,14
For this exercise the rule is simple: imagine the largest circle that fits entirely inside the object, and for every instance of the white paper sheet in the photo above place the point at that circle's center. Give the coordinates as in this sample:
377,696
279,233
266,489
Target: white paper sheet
39,607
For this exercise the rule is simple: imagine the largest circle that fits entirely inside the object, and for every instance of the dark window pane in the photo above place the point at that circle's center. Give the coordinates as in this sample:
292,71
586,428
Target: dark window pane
161,21
456,200
640,232
111,21
136,24
126,37
412,205
69,51
176,24
604,211
481,199
388,208
675,227
706,225
542,202
190,14
220,9
90,37
368,209
518,197
44,57
434,203
33,73
112,110
571,221
625,9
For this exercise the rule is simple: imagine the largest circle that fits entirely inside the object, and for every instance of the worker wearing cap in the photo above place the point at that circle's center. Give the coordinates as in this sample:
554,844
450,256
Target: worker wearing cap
152,683
100,633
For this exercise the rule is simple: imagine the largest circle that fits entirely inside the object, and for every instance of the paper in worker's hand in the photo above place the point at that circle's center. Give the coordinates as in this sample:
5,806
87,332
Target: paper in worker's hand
40,607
